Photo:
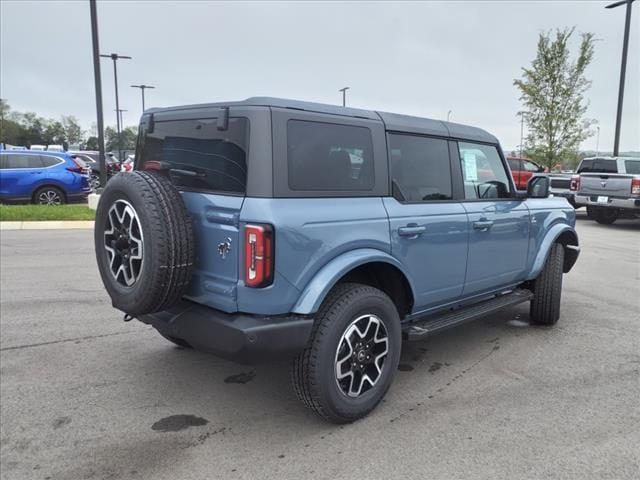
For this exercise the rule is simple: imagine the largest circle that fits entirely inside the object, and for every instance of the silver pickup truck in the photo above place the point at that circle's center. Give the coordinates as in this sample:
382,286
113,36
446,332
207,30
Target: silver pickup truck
609,187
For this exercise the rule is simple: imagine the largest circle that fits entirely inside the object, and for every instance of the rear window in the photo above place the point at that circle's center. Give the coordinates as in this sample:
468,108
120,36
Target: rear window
632,167
329,157
598,165
198,156
49,161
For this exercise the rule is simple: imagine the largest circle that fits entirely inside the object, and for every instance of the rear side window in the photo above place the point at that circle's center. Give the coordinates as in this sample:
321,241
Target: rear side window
632,167
22,161
198,156
329,157
598,165
420,168
49,161
483,172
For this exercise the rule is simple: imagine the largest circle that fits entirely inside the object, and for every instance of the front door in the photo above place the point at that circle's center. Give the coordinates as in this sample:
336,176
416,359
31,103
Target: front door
498,223
428,228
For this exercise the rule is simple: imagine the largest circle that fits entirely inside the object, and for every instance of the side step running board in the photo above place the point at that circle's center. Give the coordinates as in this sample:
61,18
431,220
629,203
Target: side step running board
419,329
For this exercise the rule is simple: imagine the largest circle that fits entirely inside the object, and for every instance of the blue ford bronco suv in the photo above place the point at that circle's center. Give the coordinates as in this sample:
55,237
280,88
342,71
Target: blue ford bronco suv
268,228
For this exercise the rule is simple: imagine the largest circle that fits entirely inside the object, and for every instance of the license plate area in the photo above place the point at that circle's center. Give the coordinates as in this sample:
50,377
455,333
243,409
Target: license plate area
602,200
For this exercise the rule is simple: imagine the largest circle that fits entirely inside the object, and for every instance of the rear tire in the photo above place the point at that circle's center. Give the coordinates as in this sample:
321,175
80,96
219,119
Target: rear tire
606,216
545,305
344,373
49,196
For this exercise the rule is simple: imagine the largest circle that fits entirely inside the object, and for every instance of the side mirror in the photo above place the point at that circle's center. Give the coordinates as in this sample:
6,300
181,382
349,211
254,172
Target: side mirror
538,187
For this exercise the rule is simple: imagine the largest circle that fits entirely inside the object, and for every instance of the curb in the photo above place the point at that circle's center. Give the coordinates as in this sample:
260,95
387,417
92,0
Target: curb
48,225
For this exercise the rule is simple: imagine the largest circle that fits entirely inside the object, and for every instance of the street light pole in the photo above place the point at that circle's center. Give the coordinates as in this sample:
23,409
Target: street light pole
120,116
623,69
115,57
142,88
448,115
98,86
344,95
522,114
598,141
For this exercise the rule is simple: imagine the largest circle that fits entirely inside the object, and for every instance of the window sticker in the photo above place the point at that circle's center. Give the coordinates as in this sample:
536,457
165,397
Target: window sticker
470,167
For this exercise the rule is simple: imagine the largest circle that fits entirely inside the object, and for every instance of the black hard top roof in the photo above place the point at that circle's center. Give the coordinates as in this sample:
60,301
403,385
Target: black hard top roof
392,121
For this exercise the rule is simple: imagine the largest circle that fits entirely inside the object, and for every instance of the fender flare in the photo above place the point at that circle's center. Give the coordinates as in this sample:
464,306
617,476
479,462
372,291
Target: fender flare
324,280
570,243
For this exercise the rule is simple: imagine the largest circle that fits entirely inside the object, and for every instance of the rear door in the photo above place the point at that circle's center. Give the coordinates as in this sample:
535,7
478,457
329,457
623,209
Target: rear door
498,223
206,159
429,229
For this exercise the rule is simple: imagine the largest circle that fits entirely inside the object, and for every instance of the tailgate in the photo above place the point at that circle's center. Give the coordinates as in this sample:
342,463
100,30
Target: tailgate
216,233
606,184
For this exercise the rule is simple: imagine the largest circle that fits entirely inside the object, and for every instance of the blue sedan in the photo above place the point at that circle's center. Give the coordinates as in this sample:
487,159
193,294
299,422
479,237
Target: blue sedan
47,178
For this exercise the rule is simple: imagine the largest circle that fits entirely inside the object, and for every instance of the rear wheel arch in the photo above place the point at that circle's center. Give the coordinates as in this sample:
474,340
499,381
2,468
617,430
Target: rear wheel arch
366,266
387,278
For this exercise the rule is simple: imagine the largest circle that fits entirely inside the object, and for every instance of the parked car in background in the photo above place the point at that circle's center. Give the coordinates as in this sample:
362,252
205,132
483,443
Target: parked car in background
560,186
609,187
38,147
92,157
273,227
522,169
55,148
127,165
48,178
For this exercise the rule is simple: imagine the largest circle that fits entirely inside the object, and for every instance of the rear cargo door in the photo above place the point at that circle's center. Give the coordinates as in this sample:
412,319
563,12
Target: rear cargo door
203,152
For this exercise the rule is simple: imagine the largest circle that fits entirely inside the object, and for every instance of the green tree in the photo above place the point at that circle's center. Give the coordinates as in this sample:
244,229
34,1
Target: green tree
54,133
552,92
127,139
91,143
72,129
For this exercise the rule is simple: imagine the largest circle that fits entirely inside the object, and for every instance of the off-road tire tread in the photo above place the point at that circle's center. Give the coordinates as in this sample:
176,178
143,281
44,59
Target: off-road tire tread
545,304
304,385
170,225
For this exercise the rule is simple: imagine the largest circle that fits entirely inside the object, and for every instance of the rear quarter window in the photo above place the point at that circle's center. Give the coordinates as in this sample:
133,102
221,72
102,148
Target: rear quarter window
329,157
632,167
196,155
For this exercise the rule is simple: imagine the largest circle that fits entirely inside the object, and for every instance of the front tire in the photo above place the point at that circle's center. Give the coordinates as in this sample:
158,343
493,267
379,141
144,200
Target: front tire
545,305
352,355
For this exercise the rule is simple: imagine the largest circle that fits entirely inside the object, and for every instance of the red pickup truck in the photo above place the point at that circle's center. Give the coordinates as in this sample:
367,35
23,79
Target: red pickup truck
522,170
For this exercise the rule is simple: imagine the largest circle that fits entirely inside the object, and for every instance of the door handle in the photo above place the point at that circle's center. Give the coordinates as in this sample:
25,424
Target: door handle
483,225
412,230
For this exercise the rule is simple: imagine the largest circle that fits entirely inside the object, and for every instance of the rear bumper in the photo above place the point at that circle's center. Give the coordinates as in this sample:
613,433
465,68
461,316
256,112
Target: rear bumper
240,337
624,203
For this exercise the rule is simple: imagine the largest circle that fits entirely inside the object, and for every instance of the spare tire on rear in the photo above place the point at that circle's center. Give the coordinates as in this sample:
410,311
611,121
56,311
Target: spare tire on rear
144,242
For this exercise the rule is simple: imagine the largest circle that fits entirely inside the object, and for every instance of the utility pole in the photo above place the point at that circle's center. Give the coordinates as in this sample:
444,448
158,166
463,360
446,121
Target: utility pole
623,69
98,86
120,116
115,57
344,95
142,88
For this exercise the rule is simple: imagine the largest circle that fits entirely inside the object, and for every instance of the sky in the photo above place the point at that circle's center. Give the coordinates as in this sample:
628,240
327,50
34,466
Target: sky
417,58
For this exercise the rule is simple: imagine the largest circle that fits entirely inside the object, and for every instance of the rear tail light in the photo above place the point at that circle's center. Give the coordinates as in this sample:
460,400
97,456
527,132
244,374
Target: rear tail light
635,186
575,183
258,254
78,166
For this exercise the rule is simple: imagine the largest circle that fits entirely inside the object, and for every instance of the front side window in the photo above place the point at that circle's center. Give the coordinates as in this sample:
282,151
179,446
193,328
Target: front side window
329,157
420,168
514,164
531,167
23,161
196,155
483,172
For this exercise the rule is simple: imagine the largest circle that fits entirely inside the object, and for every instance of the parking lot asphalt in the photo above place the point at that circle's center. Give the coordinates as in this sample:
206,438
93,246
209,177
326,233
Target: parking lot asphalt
84,395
